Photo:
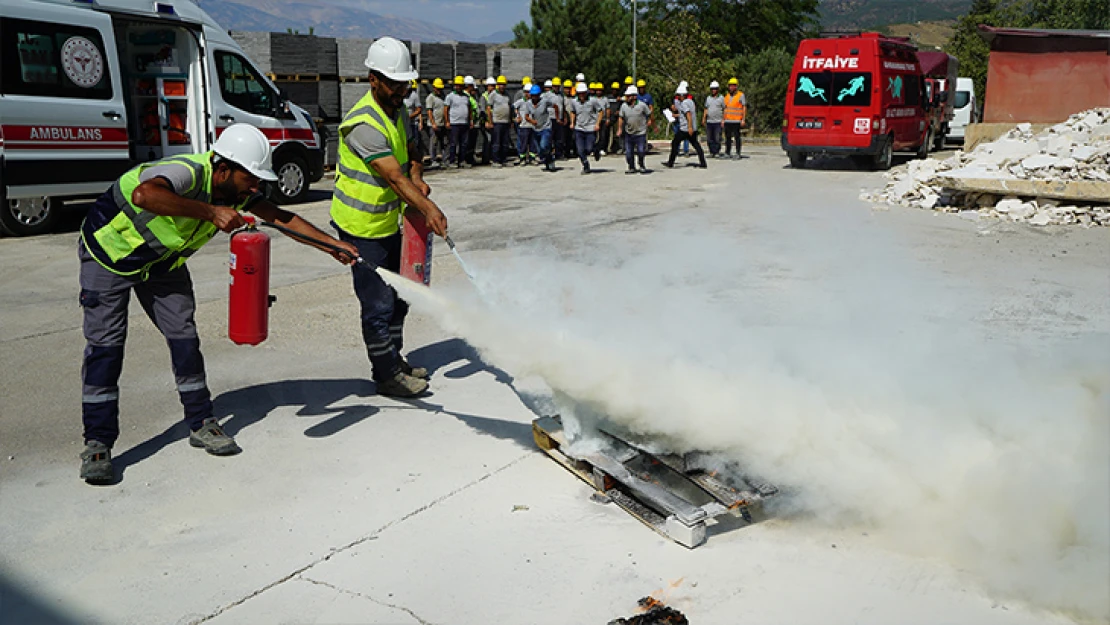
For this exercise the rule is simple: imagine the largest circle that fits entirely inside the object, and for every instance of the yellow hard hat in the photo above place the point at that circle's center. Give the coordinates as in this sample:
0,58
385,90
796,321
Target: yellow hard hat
438,83
733,81
458,80
556,82
615,85
527,80
641,83
501,80
413,82
628,80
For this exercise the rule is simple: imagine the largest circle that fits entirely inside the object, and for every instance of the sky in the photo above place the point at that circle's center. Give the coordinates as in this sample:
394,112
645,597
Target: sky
473,17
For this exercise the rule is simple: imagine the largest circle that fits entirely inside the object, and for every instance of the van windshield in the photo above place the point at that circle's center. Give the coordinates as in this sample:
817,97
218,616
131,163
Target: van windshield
962,98
833,89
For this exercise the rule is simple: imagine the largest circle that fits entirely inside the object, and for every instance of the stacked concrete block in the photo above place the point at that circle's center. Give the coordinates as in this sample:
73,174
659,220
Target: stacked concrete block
331,155
327,56
319,97
351,57
349,94
470,59
437,60
257,47
515,64
282,53
545,64
493,63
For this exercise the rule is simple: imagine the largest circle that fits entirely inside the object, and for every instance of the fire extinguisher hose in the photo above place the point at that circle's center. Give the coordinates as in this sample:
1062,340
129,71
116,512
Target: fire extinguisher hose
313,240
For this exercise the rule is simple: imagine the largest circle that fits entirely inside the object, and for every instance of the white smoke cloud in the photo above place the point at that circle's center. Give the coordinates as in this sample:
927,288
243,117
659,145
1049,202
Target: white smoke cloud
849,375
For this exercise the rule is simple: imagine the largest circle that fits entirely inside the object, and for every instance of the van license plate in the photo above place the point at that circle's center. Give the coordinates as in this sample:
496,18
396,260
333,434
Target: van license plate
815,124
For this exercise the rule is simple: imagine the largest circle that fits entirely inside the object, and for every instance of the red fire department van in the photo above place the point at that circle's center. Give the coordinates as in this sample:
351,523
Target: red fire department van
861,96
89,88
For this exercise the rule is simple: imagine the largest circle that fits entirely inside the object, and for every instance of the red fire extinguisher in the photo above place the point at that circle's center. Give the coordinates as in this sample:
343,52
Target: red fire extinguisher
249,300
416,248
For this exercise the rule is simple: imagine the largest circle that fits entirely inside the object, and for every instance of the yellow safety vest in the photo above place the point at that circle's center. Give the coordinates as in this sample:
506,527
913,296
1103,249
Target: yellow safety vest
364,204
128,240
734,107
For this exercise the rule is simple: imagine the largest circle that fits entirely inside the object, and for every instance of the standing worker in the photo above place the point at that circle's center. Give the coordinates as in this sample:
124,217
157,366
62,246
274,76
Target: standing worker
585,118
539,111
635,116
471,90
137,237
456,113
525,129
686,112
556,95
614,145
380,175
437,136
736,111
499,112
713,118
415,115
485,123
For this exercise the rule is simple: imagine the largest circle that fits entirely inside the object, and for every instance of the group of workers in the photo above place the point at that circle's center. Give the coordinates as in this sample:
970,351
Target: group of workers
140,233
563,119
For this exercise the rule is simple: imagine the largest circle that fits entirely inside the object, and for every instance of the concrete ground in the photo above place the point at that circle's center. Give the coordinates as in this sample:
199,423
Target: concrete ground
347,507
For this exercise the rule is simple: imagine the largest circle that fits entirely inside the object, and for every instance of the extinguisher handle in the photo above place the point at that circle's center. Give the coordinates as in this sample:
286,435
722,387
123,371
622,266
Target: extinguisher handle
313,240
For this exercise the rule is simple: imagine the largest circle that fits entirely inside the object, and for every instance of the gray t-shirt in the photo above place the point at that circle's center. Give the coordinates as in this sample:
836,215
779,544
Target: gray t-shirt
686,105
541,111
179,176
434,103
520,112
458,108
412,103
635,117
714,109
499,104
586,114
369,143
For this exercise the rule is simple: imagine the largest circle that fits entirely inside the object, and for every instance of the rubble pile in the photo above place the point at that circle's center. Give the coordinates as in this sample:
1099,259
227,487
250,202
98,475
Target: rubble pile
1068,155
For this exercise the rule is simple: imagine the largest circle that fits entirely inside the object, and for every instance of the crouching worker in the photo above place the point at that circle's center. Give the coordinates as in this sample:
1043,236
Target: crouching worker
137,237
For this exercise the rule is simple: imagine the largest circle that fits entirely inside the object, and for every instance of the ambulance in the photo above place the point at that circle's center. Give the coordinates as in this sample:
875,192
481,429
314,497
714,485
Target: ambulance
89,88
861,96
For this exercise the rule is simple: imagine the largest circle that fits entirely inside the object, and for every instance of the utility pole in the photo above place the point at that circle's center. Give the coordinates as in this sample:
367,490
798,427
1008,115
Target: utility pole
634,39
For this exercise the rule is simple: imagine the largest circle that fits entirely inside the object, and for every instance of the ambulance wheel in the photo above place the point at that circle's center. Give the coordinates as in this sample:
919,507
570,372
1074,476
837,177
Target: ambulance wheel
798,160
29,216
883,159
292,180
923,150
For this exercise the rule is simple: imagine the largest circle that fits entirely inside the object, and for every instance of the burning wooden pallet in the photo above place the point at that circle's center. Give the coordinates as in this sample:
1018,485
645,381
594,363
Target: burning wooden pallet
677,496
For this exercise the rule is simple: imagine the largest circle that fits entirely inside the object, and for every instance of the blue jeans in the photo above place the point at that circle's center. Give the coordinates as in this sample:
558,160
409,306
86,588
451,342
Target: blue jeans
524,142
634,147
584,140
545,146
383,312
458,150
500,142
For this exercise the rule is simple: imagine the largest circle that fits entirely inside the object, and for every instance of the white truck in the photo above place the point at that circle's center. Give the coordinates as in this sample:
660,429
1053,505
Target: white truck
89,88
966,109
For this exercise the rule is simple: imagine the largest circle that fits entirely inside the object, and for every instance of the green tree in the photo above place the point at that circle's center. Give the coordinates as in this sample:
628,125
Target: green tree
764,77
591,36
746,26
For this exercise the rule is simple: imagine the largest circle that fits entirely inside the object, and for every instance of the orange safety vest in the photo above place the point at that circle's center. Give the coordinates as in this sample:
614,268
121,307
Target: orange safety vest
734,107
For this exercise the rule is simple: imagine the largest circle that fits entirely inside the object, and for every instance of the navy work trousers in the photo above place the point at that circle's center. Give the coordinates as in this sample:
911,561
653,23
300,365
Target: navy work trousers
635,146
500,142
169,302
584,141
457,151
382,311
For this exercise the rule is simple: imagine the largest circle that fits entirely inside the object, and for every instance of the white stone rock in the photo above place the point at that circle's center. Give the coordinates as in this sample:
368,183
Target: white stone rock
1040,161
1040,219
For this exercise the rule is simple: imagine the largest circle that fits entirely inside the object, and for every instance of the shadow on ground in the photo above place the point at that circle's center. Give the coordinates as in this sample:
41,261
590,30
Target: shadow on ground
348,401
19,607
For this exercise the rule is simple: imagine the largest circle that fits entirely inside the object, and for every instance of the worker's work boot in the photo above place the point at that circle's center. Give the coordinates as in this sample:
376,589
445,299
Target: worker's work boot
213,439
416,372
402,385
96,463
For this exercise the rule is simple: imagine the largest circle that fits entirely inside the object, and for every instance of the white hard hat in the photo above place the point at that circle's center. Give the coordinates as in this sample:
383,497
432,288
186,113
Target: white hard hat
681,89
248,148
391,58
469,80
631,90
547,83
580,88
714,85
683,84
491,81
580,78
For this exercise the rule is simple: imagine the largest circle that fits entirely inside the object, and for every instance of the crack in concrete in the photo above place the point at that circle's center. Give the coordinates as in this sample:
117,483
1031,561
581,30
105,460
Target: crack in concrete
371,536
353,593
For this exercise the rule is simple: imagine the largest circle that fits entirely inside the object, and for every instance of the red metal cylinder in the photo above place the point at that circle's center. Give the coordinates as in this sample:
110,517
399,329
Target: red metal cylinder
416,248
248,314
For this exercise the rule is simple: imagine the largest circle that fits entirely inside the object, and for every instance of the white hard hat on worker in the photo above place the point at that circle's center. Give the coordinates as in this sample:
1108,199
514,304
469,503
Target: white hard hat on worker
390,58
246,146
